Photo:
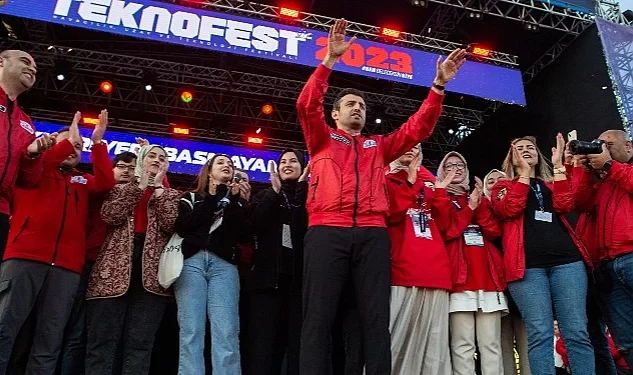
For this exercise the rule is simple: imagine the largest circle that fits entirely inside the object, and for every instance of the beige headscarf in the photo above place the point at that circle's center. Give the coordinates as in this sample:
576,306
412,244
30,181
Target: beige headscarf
396,165
140,156
486,190
459,188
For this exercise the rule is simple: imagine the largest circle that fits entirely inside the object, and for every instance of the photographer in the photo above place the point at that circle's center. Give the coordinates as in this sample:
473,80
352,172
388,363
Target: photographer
603,182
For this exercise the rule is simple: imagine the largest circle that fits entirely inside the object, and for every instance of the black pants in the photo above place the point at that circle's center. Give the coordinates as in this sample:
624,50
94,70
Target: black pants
274,329
131,320
347,337
334,257
50,291
4,233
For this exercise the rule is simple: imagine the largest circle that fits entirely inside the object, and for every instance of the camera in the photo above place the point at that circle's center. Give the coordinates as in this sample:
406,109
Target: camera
237,177
585,147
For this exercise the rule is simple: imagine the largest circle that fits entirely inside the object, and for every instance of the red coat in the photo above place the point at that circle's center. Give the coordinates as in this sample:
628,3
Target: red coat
416,261
486,261
17,133
612,202
347,185
509,200
54,232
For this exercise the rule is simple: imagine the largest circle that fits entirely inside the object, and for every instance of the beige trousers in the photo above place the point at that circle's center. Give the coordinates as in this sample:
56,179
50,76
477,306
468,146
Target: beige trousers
513,329
488,335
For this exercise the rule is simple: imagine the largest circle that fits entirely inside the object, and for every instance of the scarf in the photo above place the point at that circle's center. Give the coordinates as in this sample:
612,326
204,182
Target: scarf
396,166
460,188
486,190
142,153
289,187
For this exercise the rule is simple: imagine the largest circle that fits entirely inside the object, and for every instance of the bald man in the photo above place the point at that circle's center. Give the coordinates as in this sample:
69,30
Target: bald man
609,200
19,149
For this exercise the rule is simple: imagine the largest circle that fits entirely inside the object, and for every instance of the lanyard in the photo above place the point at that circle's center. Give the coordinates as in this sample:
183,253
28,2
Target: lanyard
288,204
539,196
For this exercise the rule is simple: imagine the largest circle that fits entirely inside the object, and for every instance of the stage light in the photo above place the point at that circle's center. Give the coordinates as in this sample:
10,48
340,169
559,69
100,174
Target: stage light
106,87
287,12
186,96
148,80
475,15
259,130
61,68
419,3
481,51
378,121
451,131
390,33
179,130
531,27
61,77
267,109
255,140
90,120
148,87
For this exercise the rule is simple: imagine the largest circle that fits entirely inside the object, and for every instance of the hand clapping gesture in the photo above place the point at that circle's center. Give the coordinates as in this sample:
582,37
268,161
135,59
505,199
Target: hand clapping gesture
475,196
447,180
558,151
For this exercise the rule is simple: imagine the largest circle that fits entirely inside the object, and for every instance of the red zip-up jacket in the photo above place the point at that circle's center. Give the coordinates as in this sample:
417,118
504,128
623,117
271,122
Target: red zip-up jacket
347,185
461,216
16,134
416,261
49,221
611,200
509,200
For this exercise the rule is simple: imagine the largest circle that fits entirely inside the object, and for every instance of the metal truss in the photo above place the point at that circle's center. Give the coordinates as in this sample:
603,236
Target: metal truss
548,57
443,22
319,22
623,74
180,75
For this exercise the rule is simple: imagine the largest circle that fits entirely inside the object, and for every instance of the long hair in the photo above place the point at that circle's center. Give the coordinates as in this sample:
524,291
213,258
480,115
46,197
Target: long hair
202,180
542,170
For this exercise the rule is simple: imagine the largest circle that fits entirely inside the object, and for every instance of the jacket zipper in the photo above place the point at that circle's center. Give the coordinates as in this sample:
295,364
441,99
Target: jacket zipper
316,184
8,161
21,229
61,228
357,183
604,228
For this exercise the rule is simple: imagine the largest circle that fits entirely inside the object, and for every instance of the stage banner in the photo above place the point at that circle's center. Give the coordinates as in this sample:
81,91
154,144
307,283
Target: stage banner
617,41
184,156
268,40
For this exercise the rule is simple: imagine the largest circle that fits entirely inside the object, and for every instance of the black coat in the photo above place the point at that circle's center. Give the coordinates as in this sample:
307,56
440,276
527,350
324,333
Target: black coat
193,225
269,211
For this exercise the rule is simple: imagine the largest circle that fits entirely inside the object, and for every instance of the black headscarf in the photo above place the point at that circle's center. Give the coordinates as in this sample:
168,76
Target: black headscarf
289,186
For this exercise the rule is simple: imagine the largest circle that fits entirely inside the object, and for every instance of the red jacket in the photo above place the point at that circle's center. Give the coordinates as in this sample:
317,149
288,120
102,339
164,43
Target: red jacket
489,261
509,200
612,201
97,228
49,221
416,261
16,134
347,186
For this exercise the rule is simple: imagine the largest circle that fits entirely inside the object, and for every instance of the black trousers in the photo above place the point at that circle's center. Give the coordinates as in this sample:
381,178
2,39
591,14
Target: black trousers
4,233
274,329
333,258
50,292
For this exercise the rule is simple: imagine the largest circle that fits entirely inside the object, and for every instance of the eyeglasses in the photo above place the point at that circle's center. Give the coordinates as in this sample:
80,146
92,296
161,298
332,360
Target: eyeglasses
452,166
124,167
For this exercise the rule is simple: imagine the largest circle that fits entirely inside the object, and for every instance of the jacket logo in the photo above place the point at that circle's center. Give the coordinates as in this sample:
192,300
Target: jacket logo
369,143
502,193
3,109
78,180
429,184
340,138
26,126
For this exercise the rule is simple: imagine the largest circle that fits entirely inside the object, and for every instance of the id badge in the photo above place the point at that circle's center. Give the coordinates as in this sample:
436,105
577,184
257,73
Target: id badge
543,216
420,222
473,236
286,239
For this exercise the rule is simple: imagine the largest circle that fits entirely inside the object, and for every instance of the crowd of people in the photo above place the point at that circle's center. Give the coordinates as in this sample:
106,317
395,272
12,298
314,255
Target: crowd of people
361,261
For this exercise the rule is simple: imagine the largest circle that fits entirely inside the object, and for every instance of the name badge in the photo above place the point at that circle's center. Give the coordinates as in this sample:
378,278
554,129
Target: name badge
473,236
420,222
543,216
286,239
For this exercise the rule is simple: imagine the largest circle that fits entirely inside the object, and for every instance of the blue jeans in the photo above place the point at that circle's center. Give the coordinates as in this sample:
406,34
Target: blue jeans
208,286
538,294
617,297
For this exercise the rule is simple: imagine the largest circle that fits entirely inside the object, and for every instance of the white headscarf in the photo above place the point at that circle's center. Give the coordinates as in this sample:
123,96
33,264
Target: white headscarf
459,188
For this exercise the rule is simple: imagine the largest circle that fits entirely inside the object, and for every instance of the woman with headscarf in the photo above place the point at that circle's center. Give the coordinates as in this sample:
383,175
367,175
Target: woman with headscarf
212,224
477,302
420,270
125,301
543,255
280,221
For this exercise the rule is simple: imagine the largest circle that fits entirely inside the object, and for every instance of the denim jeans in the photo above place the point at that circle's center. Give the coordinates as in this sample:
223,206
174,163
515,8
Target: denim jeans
208,286
618,299
538,294
597,328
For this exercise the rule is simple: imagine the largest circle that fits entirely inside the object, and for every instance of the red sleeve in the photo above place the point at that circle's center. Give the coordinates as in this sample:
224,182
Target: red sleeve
487,221
562,196
509,199
30,171
417,128
310,110
103,178
441,209
622,175
459,220
583,189
60,152
401,197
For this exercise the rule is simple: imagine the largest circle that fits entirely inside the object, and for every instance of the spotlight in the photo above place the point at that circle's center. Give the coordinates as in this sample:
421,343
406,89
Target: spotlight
61,68
475,15
267,109
451,131
259,130
148,87
61,77
531,27
186,96
106,87
148,80
420,3
378,121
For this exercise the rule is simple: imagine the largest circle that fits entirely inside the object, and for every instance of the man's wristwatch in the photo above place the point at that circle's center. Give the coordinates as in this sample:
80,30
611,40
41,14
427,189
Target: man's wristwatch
439,87
607,165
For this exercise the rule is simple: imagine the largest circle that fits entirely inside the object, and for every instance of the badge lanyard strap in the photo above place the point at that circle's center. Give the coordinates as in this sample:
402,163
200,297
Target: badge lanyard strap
539,196
421,216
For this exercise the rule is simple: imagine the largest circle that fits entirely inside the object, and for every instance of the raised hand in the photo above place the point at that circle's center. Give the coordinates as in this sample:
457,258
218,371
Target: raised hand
446,70
100,128
336,44
521,165
73,131
160,175
447,180
44,143
569,157
245,190
475,197
558,151
479,184
275,180
143,182
141,141
234,187
305,174
413,168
